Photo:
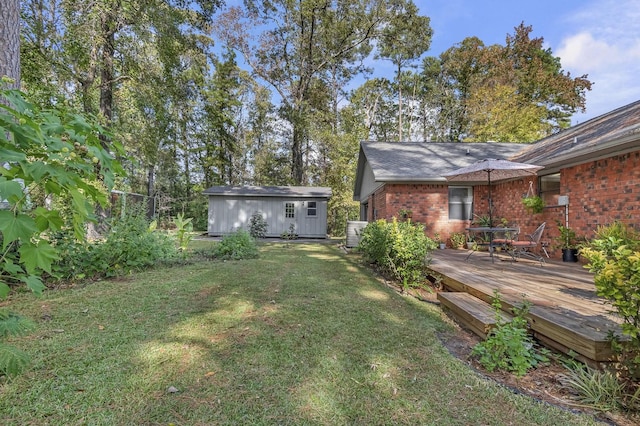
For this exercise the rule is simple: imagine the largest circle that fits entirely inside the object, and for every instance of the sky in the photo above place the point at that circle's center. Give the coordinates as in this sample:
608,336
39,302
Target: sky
600,38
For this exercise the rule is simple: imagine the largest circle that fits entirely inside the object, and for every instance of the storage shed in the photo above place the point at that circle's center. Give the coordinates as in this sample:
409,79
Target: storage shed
231,208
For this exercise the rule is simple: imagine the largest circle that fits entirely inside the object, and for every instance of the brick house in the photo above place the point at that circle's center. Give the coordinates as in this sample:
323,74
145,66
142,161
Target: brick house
591,177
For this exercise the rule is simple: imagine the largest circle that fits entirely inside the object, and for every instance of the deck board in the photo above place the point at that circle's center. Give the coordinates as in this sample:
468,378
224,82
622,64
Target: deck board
566,312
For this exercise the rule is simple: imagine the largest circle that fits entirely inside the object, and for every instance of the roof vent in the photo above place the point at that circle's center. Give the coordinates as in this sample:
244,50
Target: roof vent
575,140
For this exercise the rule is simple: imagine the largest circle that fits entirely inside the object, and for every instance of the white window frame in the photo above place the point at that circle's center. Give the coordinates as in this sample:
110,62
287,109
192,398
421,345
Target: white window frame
311,209
457,202
289,210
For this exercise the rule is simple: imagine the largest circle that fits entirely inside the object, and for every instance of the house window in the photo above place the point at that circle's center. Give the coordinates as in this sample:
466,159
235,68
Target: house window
550,189
289,210
460,202
312,210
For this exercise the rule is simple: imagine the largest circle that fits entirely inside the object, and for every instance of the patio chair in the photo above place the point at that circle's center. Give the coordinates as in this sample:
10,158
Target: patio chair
507,237
525,248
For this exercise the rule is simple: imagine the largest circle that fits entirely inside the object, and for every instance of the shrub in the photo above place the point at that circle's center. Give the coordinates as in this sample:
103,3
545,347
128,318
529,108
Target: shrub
597,389
237,246
509,346
289,234
130,244
614,258
184,229
258,225
398,248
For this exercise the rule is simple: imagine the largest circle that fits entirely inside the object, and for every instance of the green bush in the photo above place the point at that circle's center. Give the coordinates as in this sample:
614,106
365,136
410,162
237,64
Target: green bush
398,248
131,244
614,258
237,246
258,225
509,346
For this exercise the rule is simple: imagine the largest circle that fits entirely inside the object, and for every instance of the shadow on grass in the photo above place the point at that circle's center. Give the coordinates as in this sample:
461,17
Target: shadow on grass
304,335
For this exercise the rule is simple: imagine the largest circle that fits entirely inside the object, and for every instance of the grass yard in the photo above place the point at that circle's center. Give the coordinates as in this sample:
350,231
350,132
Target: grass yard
302,335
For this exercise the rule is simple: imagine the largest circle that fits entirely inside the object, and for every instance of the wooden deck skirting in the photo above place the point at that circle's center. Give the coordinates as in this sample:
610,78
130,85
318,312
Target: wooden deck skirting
566,314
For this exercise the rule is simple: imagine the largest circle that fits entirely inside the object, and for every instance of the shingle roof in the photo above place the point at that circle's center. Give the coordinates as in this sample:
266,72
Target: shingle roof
270,191
428,161
608,134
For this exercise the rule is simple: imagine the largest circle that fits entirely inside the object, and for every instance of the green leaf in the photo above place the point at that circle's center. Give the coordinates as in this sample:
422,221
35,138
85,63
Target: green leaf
47,219
79,203
35,170
12,360
16,227
11,155
4,290
34,283
10,190
40,256
12,268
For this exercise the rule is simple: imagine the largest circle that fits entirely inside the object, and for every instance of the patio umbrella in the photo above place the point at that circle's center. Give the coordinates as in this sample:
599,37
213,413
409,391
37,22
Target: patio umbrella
489,170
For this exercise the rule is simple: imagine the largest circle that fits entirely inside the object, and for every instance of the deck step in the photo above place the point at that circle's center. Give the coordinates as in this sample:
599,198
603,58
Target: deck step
471,312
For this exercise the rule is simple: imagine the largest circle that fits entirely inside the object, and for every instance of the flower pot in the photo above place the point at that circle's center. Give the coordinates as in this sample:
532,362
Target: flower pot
443,246
570,255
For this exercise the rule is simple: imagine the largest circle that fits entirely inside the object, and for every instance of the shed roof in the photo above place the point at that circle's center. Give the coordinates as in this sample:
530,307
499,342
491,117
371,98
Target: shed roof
270,191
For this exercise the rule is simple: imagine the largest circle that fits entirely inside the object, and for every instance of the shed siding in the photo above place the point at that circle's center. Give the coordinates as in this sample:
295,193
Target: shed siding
228,213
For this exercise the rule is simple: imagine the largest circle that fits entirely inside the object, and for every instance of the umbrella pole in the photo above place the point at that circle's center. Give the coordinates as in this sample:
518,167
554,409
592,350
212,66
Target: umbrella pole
490,201
490,217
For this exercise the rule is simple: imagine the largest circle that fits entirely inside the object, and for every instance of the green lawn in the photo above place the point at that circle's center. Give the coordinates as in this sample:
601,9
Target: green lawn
302,335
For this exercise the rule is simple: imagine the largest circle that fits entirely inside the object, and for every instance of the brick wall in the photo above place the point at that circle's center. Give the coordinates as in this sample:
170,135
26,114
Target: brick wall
429,204
599,192
603,191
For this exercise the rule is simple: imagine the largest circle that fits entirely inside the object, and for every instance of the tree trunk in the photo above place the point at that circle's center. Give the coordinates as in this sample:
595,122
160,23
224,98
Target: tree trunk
106,70
10,41
296,153
399,103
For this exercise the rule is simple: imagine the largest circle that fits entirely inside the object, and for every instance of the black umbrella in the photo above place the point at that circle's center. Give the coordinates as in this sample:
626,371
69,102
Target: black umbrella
489,170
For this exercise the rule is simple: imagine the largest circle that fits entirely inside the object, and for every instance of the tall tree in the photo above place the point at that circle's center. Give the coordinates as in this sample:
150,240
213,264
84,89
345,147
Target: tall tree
479,90
124,60
403,40
451,78
10,41
298,42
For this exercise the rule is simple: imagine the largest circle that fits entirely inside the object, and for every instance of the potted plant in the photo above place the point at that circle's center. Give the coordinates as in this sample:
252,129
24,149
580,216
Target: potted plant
405,213
441,244
567,241
458,240
533,204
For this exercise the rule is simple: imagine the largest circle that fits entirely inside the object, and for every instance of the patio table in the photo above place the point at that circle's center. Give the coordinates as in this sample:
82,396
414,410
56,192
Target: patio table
507,234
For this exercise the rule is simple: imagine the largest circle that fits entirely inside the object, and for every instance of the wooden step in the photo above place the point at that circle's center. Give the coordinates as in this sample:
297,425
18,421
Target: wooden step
471,312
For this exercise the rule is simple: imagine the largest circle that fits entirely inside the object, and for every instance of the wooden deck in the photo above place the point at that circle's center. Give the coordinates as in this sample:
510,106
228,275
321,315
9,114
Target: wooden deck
565,314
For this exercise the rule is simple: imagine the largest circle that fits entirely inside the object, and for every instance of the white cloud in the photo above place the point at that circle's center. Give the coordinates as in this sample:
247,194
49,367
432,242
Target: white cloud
585,53
604,42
